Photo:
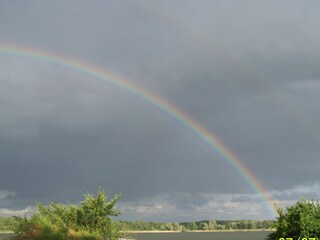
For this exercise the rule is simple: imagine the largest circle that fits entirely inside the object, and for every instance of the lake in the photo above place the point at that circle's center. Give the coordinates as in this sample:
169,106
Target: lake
192,236
202,236
4,236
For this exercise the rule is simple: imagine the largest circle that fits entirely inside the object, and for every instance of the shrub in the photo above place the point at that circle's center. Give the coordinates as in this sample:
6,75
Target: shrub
301,220
89,220
6,224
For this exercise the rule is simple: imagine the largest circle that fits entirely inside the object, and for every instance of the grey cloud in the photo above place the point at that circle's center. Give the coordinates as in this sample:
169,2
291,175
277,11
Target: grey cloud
187,207
298,192
246,71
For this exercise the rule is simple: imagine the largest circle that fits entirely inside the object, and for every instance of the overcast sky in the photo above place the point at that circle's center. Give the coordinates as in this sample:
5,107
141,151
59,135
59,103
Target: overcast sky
248,71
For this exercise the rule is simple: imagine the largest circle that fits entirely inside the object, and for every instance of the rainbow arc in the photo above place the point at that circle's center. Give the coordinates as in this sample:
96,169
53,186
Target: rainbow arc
155,101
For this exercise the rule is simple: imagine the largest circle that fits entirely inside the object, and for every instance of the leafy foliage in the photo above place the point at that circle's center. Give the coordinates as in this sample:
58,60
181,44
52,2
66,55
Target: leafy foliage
6,224
89,220
206,225
301,220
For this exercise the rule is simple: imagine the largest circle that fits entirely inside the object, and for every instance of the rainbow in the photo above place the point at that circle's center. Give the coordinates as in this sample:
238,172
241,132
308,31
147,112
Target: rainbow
152,99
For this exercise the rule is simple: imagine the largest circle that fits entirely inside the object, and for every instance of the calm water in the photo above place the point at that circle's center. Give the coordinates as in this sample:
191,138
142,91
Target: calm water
202,236
4,236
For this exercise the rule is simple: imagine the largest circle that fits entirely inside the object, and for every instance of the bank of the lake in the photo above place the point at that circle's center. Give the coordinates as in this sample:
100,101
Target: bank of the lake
203,235
206,231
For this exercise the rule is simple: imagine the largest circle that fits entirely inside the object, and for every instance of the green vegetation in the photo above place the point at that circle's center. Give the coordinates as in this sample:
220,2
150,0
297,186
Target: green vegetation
90,220
6,224
299,221
206,225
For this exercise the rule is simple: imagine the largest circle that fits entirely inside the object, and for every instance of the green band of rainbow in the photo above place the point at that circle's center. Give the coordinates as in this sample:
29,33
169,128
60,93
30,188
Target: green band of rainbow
156,102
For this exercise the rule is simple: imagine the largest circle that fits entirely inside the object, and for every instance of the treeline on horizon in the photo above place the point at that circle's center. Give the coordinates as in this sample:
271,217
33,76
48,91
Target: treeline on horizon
205,225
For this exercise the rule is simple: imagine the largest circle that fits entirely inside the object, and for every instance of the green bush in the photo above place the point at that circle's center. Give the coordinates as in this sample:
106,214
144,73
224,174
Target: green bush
89,220
6,224
301,220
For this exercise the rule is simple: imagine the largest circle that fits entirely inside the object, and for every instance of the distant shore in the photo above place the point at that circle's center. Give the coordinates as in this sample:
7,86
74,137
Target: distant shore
194,231
204,231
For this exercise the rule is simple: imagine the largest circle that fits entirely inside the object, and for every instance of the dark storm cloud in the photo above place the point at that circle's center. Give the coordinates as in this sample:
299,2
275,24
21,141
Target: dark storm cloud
64,138
246,71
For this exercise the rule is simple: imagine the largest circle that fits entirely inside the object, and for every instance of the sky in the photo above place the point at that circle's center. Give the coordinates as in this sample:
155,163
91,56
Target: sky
247,71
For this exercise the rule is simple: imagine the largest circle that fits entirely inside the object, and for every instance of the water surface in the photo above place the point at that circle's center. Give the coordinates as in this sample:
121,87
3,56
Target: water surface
4,236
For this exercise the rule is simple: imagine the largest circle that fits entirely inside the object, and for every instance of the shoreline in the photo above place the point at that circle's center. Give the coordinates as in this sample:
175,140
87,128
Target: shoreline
204,231
193,231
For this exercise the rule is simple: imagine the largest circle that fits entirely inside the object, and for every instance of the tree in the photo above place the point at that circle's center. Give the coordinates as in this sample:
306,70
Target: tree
176,227
203,226
192,226
301,220
212,225
89,220
231,225
252,225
